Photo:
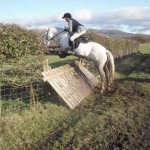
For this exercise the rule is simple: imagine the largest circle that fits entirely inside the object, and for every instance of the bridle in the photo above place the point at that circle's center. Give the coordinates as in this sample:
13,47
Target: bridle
53,38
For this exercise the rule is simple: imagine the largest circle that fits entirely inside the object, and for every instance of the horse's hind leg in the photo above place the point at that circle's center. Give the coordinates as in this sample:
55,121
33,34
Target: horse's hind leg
107,75
103,77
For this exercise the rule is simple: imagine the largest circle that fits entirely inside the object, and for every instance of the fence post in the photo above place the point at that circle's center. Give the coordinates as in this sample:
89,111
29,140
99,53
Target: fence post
32,94
0,101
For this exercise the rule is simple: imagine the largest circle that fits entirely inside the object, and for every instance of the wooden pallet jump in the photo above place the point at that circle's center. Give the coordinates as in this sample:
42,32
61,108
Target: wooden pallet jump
73,82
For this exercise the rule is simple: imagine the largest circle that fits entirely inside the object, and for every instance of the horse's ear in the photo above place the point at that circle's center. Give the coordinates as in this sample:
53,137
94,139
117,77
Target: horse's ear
47,29
53,29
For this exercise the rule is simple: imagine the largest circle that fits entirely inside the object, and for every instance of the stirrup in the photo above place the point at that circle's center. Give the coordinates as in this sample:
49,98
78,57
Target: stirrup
72,45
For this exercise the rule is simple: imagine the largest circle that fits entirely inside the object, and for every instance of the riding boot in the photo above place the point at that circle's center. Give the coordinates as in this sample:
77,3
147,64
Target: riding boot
72,45
71,51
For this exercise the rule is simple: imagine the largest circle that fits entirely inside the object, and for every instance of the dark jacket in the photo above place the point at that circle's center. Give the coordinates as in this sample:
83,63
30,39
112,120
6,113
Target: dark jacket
73,25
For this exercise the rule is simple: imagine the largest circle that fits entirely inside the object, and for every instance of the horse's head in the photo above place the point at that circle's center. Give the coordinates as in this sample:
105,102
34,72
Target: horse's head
49,35
56,37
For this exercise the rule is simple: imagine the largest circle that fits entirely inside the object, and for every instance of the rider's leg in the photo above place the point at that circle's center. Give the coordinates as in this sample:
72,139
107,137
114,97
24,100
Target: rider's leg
72,44
74,36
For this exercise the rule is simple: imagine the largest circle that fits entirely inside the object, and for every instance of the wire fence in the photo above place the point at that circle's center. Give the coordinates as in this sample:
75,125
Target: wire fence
21,97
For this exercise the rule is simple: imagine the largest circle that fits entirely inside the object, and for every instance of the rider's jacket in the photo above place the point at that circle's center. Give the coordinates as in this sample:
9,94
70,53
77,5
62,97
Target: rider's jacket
74,26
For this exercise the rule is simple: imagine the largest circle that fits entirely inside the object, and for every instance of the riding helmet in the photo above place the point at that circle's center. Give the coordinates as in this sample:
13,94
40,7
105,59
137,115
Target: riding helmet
67,15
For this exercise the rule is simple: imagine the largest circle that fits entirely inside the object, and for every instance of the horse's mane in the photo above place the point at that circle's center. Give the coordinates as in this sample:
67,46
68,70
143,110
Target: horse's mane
55,29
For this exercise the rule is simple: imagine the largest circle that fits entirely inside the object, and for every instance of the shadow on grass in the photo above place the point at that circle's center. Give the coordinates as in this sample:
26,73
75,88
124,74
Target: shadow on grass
138,63
133,79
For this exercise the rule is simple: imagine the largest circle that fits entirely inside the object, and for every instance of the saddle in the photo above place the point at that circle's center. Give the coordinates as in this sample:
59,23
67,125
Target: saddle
80,39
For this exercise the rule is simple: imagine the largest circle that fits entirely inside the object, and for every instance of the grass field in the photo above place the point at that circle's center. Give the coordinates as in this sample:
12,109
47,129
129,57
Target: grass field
145,48
118,119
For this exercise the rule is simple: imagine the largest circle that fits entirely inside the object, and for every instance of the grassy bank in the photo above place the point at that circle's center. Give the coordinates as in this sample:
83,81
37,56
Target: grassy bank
116,120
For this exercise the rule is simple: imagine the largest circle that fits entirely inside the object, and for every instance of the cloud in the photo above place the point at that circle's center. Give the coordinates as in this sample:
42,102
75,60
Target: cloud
32,21
83,15
131,19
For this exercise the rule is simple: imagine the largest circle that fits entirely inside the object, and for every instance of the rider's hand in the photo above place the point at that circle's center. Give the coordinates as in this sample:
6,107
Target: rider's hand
65,29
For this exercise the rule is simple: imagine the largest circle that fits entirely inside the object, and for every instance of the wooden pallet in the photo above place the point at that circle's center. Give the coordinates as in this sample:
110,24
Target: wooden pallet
73,82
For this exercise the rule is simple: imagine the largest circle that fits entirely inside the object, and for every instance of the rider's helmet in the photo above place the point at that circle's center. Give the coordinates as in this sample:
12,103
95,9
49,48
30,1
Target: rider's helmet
67,15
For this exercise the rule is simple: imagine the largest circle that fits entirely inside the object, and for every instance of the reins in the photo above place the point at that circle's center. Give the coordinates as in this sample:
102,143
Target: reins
56,35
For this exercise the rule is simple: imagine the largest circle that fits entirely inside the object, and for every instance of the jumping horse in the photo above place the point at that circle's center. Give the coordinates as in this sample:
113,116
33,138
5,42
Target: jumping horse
98,54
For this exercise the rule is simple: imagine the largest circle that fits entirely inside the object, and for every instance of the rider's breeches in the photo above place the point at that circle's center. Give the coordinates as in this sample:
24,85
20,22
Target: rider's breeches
76,35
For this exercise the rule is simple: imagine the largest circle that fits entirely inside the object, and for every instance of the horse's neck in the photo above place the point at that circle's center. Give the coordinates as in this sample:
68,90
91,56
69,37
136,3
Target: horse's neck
64,42
62,38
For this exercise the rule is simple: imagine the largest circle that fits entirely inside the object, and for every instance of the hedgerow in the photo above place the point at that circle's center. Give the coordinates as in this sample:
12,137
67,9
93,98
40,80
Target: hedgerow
16,42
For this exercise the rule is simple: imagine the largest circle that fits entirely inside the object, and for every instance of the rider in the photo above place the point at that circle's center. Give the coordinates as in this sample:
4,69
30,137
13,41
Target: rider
74,27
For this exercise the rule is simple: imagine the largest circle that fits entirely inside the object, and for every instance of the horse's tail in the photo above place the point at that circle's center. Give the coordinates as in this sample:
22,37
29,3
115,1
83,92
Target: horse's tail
112,65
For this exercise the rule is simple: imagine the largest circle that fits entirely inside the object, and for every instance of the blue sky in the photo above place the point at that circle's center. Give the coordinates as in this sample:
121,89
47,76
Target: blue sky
126,15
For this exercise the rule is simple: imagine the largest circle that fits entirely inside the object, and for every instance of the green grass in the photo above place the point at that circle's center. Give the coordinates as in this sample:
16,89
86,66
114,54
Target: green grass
55,61
21,130
145,48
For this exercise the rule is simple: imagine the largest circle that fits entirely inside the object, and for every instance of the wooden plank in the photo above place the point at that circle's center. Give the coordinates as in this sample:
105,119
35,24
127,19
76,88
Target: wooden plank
70,100
92,80
73,82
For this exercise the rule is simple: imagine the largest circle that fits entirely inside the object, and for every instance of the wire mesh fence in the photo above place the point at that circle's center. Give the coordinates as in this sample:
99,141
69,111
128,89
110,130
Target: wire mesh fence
20,97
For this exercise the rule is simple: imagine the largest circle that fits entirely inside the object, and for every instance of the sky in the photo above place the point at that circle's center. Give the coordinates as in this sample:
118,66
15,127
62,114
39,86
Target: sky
125,15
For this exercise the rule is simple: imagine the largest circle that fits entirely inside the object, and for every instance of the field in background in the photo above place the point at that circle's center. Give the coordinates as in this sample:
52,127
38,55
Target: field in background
145,48
117,119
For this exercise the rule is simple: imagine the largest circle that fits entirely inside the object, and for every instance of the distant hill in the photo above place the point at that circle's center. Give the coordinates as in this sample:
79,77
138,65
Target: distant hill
142,38
113,33
116,34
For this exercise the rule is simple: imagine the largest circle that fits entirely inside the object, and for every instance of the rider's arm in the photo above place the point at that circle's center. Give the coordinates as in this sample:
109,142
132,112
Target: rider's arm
70,25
